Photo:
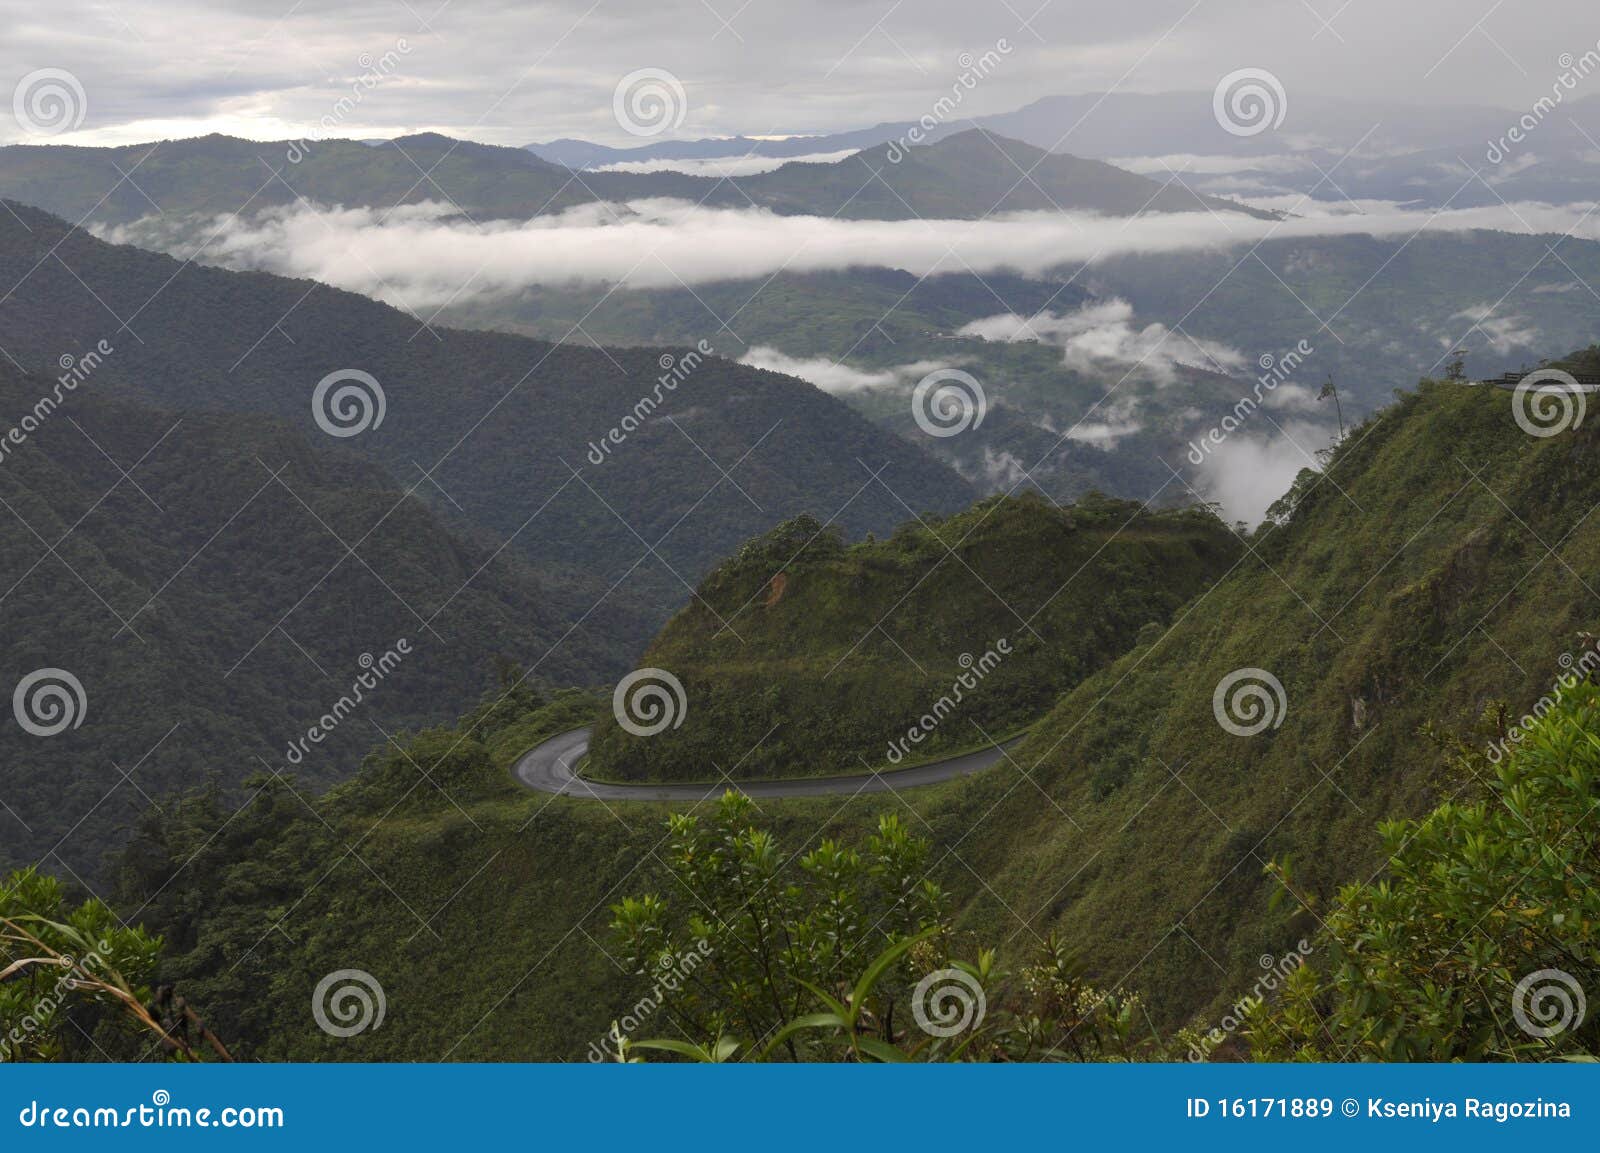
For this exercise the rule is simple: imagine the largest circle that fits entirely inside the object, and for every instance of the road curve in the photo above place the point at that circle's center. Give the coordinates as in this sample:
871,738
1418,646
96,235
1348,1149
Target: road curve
548,767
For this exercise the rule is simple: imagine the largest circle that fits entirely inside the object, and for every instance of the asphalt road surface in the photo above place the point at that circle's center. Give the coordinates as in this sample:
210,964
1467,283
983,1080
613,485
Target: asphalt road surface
549,768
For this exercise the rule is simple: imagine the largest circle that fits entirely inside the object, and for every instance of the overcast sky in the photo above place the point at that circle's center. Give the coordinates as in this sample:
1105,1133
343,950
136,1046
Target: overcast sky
514,71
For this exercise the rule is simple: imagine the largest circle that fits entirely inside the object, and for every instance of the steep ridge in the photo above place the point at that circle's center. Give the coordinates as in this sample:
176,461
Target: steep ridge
804,656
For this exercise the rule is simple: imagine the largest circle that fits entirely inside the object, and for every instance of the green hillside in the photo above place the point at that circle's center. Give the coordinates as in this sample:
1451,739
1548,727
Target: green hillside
1442,563
803,655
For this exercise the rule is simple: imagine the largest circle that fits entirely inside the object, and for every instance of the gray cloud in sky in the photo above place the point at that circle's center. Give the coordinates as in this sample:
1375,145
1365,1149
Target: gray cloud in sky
510,72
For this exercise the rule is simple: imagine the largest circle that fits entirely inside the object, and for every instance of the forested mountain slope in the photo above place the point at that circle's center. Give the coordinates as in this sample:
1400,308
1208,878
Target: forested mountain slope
624,475
215,584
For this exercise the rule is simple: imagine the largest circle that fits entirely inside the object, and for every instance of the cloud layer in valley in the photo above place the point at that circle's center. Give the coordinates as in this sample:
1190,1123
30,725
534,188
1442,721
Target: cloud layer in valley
423,256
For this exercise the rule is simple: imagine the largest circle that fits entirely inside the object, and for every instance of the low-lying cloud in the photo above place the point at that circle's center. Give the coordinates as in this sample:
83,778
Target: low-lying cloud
836,377
427,255
1104,334
1501,334
1246,475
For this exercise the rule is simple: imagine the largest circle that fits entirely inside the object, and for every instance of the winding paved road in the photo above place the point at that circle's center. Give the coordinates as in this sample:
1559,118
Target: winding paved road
549,768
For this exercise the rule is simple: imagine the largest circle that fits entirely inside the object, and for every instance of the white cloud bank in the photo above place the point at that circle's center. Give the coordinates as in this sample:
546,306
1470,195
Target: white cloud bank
724,166
426,255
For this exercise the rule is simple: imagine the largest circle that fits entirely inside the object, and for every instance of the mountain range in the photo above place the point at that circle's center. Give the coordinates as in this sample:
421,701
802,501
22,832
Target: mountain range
968,176
1330,149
